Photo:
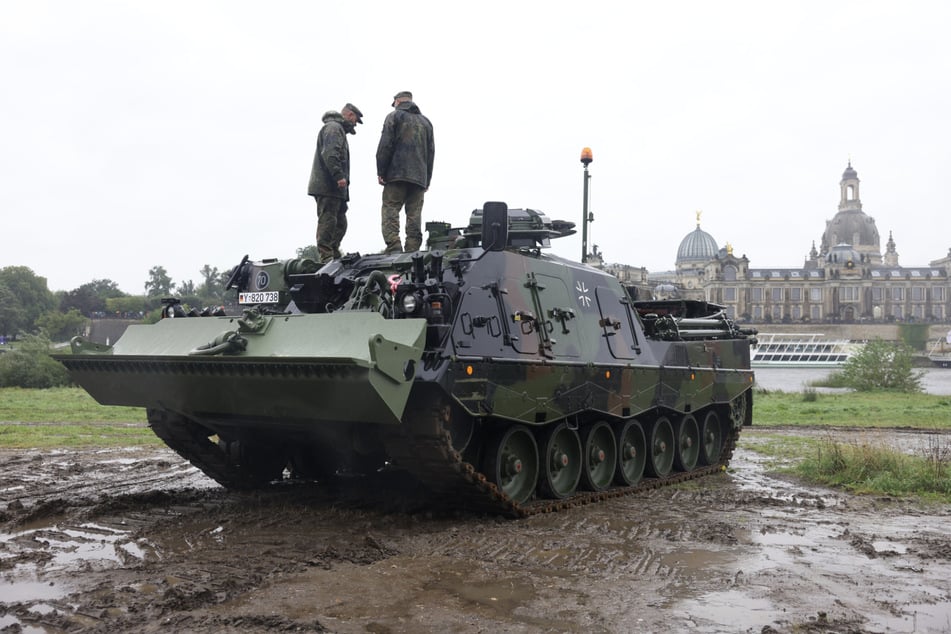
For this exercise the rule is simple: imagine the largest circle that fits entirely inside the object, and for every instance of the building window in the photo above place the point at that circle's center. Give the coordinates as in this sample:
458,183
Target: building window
815,294
757,313
777,313
729,273
937,293
876,293
849,293
918,311
729,294
938,312
917,293
898,294
757,293
776,294
815,313
795,294
797,312
896,311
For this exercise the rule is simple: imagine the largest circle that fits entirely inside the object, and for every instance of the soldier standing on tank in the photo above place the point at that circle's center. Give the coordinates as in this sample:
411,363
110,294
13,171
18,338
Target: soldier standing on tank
330,178
404,166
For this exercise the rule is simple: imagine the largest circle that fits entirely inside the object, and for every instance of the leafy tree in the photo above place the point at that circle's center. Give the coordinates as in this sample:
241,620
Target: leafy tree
310,251
30,365
130,305
90,297
211,283
61,326
881,365
30,296
186,288
11,312
159,283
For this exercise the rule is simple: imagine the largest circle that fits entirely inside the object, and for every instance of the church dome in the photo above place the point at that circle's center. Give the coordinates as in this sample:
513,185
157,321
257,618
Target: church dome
698,245
853,227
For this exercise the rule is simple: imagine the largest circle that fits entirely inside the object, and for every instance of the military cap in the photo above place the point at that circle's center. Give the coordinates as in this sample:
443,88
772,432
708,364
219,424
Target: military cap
401,94
352,108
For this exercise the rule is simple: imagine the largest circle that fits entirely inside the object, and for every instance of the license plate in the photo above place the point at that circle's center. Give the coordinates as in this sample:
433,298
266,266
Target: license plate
262,297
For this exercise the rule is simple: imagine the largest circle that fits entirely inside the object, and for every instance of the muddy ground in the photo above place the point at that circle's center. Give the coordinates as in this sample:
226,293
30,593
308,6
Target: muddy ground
138,540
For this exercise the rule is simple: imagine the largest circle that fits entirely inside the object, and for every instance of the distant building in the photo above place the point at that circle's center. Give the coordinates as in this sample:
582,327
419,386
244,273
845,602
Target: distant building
847,279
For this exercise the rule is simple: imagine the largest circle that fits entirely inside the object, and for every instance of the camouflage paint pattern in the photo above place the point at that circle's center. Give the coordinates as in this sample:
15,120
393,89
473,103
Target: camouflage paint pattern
504,334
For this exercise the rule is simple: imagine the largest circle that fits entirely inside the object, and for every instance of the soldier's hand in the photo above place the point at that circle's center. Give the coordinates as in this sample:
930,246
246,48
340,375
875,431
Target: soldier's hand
342,183
380,178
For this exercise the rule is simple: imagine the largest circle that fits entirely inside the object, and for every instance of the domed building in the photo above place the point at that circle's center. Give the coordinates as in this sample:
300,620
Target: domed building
851,225
696,249
846,279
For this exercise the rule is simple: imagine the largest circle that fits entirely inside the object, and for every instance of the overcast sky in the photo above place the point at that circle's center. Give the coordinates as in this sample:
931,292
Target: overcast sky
181,133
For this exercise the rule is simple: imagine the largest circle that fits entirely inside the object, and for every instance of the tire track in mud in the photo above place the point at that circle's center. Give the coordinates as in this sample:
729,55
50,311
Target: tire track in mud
150,544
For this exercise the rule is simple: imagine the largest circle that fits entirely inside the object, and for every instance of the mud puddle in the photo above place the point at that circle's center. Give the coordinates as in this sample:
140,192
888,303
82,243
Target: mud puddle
137,540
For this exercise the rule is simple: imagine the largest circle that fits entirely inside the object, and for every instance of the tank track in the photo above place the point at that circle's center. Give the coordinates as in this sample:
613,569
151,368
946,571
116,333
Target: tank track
423,447
190,441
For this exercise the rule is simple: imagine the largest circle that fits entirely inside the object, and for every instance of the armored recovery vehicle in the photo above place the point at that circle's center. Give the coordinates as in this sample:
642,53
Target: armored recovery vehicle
501,378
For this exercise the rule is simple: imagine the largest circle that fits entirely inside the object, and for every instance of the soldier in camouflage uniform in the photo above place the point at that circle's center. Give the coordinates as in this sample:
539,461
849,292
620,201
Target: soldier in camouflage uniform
330,178
404,166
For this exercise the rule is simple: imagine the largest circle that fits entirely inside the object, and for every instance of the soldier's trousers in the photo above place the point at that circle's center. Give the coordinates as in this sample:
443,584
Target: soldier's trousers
331,226
396,194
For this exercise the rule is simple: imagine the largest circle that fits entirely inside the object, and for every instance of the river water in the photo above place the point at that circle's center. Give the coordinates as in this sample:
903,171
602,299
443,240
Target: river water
933,380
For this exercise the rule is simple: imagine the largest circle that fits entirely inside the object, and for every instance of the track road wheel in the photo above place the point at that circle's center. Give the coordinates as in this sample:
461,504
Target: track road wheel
511,462
600,457
688,444
711,439
632,452
561,462
661,447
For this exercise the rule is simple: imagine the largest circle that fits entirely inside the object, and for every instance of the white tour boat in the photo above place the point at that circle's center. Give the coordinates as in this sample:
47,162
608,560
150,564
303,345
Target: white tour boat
803,350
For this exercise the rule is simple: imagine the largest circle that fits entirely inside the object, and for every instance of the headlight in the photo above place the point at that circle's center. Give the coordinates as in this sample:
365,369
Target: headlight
410,303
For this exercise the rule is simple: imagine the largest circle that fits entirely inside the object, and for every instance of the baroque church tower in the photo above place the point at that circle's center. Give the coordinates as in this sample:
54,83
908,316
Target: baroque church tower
851,226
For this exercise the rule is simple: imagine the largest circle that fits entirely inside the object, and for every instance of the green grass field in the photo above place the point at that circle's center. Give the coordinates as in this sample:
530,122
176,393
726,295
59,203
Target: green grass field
68,417
852,409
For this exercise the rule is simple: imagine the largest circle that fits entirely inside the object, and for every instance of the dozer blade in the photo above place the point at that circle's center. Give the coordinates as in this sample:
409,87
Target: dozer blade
289,369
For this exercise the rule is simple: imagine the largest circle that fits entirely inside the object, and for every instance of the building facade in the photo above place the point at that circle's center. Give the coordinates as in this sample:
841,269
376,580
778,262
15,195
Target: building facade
846,279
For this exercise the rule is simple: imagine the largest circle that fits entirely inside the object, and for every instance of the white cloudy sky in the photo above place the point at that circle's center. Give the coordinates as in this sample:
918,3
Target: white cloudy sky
181,133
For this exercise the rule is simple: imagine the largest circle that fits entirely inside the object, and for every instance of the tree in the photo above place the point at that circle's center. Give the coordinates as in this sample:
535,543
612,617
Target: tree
186,288
91,297
130,305
11,313
881,365
310,251
159,283
30,295
30,365
61,326
210,286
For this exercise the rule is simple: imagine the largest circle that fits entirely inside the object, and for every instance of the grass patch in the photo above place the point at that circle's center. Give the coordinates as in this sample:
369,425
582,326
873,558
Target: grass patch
859,465
62,435
852,409
864,468
61,405
68,417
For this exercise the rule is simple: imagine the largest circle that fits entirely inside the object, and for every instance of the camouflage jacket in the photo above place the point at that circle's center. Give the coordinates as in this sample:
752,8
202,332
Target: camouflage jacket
407,149
332,158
